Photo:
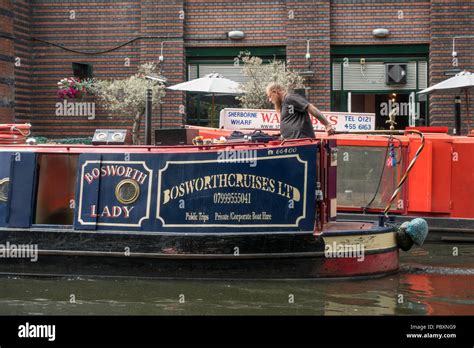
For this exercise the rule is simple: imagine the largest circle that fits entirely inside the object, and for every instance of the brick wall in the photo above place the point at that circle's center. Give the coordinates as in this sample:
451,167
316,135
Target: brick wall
352,21
6,62
176,24
166,20
22,29
449,19
208,22
84,27
310,20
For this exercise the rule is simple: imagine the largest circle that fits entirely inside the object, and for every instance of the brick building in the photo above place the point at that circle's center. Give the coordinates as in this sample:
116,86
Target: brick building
43,41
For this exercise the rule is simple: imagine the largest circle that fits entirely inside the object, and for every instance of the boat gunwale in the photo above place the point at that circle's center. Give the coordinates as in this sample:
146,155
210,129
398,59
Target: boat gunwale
196,256
63,229
147,149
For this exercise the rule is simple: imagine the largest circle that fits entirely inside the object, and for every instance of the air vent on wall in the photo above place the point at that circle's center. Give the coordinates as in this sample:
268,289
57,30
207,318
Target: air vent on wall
395,74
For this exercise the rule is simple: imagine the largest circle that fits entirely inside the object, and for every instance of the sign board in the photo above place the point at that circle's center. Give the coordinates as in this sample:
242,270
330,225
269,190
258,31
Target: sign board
238,119
227,190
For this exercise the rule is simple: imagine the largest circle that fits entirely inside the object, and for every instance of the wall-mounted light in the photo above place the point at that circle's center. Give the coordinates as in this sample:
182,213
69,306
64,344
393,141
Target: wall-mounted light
236,35
161,58
381,32
308,72
157,78
308,55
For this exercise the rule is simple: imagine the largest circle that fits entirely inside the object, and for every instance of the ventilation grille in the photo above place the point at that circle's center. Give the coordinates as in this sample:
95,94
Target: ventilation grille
395,74
372,77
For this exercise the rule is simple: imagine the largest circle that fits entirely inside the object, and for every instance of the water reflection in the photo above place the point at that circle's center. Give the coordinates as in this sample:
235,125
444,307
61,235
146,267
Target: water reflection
441,294
432,281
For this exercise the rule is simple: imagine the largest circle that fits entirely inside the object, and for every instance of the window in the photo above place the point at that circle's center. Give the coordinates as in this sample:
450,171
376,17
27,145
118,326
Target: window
359,82
53,206
82,70
203,61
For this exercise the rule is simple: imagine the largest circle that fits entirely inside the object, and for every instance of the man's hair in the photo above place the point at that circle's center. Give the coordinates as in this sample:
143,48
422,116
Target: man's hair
275,86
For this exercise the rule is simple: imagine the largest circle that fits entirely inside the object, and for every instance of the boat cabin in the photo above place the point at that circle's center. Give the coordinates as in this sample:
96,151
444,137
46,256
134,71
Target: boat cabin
228,188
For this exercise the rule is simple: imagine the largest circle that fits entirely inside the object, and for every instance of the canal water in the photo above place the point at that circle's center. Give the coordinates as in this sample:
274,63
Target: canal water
437,279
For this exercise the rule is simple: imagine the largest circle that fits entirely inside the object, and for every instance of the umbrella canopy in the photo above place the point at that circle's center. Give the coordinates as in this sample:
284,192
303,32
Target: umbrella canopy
456,84
211,83
464,81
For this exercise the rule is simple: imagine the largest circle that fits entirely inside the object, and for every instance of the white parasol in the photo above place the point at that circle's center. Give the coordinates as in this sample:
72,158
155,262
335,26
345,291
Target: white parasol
212,83
457,84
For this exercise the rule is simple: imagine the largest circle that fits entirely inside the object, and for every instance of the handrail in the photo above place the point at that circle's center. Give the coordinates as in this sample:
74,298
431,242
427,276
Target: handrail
410,166
298,140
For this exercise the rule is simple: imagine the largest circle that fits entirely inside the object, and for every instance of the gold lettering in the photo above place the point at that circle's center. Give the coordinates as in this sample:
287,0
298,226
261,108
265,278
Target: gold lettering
238,180
114,170
166,196
235,180
127,211
128,172
89,178
222,180
296,194
141,178
199,184
272,185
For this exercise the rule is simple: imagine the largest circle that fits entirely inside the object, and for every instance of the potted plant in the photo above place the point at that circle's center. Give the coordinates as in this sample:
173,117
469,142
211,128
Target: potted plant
73,88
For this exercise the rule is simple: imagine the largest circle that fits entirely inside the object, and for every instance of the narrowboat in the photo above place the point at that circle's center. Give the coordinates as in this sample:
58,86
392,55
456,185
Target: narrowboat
213,210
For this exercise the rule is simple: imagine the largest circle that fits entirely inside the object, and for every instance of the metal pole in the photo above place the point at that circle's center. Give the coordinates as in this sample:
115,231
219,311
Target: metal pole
161,114
457,115
212,111
149,96
467,111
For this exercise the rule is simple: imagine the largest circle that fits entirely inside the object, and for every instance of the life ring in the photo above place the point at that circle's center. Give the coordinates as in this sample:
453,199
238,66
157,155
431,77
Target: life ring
11,134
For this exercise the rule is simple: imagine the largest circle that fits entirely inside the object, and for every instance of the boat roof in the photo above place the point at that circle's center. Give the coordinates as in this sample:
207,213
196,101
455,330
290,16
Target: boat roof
63,148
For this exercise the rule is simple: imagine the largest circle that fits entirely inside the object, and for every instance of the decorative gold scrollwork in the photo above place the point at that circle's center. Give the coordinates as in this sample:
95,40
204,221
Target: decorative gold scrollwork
4,187
127,191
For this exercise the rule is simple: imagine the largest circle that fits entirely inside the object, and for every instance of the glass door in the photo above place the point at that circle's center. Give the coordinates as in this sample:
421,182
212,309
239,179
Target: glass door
400,104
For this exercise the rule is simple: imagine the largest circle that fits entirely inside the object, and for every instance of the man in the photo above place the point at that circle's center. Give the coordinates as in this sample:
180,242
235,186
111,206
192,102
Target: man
294,119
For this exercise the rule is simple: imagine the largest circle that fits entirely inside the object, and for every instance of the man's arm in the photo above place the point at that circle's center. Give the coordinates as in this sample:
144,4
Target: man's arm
313,110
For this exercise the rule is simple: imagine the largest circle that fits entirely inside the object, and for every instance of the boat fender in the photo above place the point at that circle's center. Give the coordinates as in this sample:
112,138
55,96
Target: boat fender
404,241
416,230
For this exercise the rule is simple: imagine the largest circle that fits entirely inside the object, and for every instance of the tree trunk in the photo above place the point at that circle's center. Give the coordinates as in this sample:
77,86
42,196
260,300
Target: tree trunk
136,128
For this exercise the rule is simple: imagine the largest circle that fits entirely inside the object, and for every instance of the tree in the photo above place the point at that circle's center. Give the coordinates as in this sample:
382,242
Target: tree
129,95
260,75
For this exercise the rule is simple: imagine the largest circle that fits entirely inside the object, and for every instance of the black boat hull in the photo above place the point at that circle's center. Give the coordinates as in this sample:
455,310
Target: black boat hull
64,252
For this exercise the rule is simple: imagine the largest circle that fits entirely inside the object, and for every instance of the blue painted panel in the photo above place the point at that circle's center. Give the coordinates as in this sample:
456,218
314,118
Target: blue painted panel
18,211
5,161
227,191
